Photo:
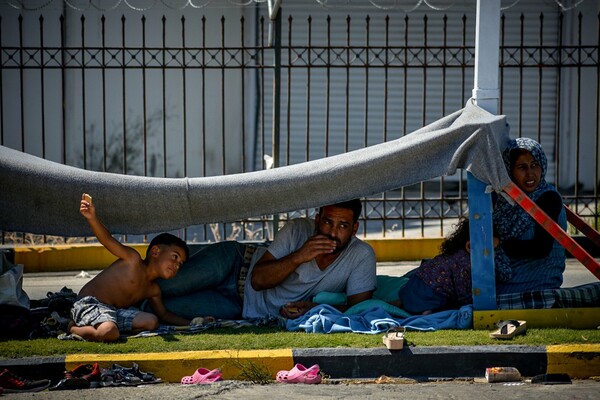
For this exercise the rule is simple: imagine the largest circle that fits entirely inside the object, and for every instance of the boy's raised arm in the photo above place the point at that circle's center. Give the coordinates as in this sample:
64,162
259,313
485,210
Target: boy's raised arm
88,210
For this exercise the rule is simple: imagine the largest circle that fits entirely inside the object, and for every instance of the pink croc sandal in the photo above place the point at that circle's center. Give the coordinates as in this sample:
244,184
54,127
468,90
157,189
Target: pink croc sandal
300,374
201,376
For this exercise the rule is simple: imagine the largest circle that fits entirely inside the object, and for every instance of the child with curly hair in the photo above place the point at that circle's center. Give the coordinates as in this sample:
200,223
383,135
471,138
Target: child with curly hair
443,282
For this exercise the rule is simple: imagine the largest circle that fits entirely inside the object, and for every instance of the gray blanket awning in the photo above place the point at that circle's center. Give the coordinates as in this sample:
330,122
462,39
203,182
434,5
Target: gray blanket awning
41,196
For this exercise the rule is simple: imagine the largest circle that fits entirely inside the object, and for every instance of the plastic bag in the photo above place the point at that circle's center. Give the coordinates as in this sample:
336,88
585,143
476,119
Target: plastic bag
11,284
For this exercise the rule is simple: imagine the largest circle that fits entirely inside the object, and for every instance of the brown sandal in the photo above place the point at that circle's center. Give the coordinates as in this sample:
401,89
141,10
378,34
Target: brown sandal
509,329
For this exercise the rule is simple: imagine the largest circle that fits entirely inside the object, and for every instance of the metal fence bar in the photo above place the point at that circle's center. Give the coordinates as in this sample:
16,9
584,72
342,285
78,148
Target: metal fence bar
385,226
1,97
243,95
404,117
558,95
163,94
21,82
42,90
288,101
596,202
578,116
308,92
184,100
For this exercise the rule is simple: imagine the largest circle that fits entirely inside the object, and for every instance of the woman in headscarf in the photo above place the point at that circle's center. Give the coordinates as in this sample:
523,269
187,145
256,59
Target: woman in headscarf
536,259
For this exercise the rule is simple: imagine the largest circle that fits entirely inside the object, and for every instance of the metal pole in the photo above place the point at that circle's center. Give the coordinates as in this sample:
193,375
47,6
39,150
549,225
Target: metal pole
487,45
485,95
276,22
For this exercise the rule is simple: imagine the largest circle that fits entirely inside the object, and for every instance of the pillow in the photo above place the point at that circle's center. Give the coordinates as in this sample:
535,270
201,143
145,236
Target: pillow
387,290
331,298
372,303
388,286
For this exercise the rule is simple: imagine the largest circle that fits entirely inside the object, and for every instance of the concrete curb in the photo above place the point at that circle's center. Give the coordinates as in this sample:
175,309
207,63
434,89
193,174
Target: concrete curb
579,361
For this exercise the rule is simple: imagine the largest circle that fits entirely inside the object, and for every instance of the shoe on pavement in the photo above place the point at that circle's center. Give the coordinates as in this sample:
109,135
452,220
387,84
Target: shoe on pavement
12,383
146,377
119,375
300,374
89,372
81,377
202,376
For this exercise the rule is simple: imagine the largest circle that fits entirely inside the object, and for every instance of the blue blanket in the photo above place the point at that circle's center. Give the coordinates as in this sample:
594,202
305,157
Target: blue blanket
327,319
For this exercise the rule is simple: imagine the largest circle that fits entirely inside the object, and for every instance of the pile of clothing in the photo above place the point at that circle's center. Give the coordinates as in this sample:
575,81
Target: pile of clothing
43,319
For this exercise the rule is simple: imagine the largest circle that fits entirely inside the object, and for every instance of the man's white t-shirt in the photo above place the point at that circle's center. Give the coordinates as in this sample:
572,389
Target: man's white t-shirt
353,272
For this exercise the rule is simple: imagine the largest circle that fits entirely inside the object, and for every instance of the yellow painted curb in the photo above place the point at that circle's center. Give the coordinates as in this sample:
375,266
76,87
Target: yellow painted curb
579,361
572,318
405,249
171,367
74,257
91,256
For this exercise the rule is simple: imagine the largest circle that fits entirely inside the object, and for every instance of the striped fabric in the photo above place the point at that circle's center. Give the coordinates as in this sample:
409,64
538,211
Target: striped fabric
587,295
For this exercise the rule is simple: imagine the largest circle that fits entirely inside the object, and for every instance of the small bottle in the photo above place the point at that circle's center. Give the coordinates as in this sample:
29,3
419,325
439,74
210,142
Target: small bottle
502,374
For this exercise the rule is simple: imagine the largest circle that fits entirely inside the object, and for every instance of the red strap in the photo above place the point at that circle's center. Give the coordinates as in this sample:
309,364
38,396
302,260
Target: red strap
553,228
582,226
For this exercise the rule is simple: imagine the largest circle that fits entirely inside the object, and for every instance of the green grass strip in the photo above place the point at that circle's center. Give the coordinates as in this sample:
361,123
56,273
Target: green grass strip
275,338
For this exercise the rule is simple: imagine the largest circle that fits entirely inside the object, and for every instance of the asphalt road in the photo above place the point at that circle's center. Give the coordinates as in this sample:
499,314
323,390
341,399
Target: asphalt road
37,285
363,390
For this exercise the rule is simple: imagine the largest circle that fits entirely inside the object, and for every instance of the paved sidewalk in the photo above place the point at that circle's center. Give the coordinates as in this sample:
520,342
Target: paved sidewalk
359,389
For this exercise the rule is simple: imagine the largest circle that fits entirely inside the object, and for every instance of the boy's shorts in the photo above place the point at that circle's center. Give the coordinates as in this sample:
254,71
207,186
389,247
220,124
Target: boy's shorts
88,311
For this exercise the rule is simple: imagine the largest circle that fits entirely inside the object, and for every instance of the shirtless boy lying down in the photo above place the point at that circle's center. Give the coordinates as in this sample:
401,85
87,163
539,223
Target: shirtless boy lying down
102,311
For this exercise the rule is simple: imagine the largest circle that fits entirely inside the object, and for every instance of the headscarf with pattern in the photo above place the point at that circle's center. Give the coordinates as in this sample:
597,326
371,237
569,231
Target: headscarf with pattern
510,220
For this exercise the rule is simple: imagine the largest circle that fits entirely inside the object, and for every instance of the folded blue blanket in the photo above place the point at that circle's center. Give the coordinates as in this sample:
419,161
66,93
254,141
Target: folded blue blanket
327,319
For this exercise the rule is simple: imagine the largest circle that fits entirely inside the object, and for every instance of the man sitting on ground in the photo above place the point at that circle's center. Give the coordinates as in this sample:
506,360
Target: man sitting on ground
306,257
